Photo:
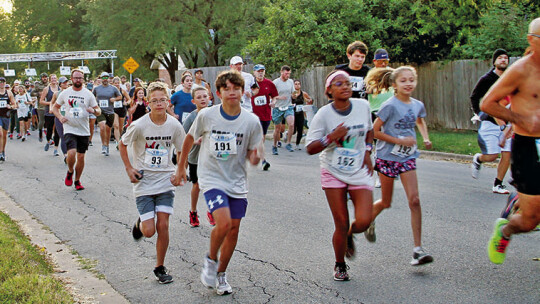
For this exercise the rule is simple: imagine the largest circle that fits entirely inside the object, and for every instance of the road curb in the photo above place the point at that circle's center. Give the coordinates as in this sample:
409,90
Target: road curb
85,286
444,156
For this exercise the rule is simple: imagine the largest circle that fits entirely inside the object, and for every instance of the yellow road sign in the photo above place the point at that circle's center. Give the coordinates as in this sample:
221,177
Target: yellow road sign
130,65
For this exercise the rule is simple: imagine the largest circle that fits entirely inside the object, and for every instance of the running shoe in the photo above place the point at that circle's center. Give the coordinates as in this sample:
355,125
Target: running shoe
298,147
497,244
136,230
47,146
55,153
274,151
103,149
476,166
340,272
162,275
500,189
289,148
351,249
222,286
90,143
279,144
193,219
370,233
106,150
210,218
24,138
28,133
377,181
2,157
10,135
510,207
40,137
69,179
19,136
209,272
420,257
265,165
78,185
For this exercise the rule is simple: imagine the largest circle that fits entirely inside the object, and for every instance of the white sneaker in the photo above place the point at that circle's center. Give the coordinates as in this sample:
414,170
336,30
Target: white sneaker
475,166
222,286
377,181
209,272
500,189
103,149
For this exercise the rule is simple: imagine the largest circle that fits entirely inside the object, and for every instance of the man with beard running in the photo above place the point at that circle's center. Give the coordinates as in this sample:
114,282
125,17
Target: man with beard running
78,102
490,133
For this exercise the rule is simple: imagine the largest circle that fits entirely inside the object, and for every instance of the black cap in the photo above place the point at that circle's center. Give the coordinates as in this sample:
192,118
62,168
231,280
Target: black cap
497,53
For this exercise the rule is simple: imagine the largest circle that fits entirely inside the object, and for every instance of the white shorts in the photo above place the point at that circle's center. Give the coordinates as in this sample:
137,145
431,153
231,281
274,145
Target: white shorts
489,136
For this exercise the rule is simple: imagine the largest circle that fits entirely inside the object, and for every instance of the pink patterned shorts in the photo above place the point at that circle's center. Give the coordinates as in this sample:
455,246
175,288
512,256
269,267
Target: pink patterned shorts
393,168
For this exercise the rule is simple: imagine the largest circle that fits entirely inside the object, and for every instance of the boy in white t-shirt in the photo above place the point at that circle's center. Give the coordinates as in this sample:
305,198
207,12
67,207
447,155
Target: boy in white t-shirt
152,138
230,136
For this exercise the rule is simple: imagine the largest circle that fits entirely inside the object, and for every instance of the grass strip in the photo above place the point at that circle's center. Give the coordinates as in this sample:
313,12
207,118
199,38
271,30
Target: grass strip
26,276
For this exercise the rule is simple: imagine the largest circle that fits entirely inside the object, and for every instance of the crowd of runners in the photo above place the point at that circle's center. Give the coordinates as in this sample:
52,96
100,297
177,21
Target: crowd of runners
167,137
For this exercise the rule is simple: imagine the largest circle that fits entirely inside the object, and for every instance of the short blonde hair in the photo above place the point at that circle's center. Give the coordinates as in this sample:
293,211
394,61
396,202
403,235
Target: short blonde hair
157,86
197,89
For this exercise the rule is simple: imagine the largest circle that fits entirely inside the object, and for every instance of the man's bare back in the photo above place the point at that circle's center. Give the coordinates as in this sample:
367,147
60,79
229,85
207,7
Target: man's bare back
521,82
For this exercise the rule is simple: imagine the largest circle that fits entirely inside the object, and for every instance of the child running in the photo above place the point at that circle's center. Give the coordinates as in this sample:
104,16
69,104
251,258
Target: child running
397,151
201,99
152,138
230,136
343,132
24,101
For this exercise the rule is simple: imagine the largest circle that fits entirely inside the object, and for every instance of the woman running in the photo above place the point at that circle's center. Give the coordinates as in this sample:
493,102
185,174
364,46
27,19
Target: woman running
138,106
58,126
299,100
397,151
46,97
24,101
120,110
343,132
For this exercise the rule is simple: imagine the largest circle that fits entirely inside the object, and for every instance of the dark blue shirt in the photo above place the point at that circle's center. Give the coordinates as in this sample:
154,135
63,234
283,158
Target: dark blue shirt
182,104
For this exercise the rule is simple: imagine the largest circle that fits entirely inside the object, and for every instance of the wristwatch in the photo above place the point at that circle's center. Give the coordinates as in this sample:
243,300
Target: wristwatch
369,147
503,127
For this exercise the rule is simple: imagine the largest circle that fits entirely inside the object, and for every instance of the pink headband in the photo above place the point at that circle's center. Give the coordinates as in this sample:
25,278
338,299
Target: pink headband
331,77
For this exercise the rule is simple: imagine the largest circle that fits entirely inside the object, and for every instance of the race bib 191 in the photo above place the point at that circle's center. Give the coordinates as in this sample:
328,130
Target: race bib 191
259,100
223,145
118,104
156,158
403,151
103,103
346,160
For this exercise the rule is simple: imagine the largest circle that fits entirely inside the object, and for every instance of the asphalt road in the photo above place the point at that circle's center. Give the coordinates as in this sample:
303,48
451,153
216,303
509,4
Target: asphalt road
284,252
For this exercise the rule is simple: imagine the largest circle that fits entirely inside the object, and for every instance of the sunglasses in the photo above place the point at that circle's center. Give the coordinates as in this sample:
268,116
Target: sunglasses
105,77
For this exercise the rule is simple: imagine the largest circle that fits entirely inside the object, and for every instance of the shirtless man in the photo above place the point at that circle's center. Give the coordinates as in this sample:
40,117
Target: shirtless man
520,82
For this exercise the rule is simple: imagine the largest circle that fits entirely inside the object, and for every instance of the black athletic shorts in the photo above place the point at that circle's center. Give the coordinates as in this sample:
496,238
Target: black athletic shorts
76,142
121,112
265,125
525,164
193,173
107,118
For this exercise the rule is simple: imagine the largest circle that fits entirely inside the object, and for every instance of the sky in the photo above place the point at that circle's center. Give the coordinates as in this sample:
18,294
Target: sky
6,5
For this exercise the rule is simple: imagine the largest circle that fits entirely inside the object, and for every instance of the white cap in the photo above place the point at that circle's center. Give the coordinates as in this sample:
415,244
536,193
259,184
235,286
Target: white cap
236,59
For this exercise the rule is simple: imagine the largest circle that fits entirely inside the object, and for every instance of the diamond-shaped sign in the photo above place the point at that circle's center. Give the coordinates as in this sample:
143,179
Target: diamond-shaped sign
130,65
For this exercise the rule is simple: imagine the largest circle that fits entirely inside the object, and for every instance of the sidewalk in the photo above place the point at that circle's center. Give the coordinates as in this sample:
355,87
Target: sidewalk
82,284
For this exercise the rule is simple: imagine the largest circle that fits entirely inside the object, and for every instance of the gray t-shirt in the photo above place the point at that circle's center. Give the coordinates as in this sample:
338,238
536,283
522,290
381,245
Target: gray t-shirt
103,96
399,121
225,143
284,88
193,156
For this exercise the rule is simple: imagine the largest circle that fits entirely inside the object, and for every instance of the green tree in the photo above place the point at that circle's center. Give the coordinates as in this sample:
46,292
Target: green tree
201,33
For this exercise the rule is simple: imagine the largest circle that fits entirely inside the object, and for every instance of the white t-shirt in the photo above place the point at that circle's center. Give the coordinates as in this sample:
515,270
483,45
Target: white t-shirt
75,104
249,80
152,152
344,163
22,110
225,143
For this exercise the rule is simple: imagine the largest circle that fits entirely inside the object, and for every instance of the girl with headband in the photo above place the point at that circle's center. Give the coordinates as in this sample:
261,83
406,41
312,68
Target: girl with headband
342,132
